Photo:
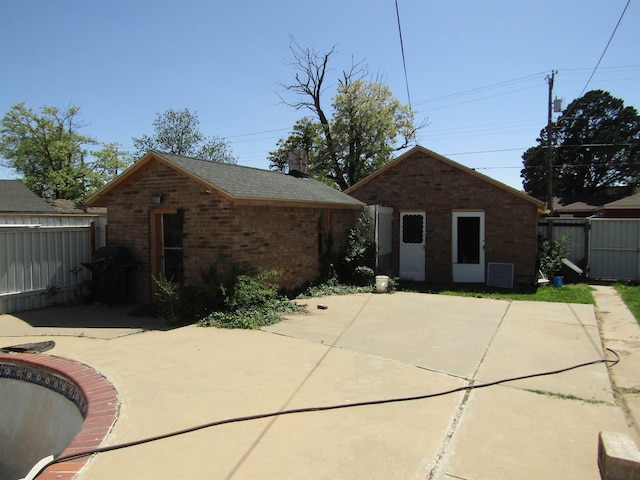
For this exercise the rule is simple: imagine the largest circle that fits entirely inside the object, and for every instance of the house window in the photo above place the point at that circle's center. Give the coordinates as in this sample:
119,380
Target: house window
172,246
324,232
167,249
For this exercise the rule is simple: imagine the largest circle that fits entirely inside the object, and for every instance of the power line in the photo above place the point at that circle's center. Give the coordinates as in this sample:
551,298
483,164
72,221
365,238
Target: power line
483,88
480,99
606,47
404,63
258,133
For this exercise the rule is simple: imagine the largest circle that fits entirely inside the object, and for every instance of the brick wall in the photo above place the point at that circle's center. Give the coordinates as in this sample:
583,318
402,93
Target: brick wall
256,236
421,182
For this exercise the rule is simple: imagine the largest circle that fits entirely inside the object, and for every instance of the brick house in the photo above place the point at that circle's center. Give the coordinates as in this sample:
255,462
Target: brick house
177,215
439,221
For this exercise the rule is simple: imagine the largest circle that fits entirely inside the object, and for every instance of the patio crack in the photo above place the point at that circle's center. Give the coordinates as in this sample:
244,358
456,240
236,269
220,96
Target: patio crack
438,464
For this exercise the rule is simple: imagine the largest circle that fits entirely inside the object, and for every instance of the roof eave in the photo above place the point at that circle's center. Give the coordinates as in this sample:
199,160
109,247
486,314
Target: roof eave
94,200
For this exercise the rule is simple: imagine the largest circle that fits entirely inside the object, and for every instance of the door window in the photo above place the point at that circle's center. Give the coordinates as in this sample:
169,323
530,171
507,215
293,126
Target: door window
469,240
412,229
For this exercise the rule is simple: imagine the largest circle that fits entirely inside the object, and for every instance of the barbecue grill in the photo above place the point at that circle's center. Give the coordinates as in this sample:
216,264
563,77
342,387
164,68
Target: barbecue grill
110,268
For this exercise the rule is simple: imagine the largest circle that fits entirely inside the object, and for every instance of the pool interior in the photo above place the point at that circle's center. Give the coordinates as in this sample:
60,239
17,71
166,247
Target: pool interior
57,406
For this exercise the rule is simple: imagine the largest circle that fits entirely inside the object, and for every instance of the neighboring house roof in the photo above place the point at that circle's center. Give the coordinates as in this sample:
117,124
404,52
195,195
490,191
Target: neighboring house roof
583,204
15,197
75,207
241,184
578,203
540,205
632,202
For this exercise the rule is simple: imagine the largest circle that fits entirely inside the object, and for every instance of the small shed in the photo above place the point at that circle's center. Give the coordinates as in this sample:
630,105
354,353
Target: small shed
444,222
176,215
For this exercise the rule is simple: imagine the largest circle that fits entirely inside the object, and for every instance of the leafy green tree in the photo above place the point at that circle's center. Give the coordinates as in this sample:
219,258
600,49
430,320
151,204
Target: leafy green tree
178,132
596,144
365,127
306,135
54,159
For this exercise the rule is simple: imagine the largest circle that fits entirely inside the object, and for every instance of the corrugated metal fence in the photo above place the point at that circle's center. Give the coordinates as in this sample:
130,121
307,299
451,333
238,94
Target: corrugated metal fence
606,248
41,258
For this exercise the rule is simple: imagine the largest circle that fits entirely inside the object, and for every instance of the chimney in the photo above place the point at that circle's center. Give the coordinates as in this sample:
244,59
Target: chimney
298,163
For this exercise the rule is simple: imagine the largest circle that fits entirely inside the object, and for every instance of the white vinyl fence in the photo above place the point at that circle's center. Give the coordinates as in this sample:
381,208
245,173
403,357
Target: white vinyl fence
605,248
41,258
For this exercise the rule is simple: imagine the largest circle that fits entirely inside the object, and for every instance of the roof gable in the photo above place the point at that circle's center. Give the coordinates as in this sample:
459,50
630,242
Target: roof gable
241,184
15,197
435,156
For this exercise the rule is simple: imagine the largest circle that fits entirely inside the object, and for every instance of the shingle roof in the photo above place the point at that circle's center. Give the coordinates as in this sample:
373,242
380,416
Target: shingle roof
246,183
632,201
15,197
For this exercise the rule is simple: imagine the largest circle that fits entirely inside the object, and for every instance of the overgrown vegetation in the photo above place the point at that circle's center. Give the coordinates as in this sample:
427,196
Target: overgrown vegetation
631,296
228,297
351,272
551,253
179,303
360,258
254,302
332,286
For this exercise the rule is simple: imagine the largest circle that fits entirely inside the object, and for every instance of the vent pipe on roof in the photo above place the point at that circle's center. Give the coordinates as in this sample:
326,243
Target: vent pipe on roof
298,163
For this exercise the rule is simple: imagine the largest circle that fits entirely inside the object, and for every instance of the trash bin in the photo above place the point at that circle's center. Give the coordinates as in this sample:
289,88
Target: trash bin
558,281
382,283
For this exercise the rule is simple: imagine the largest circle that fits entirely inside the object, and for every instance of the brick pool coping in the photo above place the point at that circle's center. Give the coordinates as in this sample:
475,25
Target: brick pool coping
102,408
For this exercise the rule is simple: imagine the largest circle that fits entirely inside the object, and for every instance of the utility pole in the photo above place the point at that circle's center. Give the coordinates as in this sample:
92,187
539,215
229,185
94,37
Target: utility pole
550,79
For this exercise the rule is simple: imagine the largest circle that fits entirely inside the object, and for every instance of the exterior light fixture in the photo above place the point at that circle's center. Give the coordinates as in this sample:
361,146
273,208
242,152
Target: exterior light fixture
156,199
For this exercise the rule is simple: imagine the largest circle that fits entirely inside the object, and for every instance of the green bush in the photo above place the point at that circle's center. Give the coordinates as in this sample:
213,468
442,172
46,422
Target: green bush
167,299
551,253
178,303
254,302
357,266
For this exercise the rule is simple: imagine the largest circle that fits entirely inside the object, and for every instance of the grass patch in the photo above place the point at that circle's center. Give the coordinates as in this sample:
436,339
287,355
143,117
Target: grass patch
631,296
563,396
629,390
572,293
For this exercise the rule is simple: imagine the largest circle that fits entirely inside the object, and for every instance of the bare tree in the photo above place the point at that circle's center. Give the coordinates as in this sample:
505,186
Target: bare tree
348,152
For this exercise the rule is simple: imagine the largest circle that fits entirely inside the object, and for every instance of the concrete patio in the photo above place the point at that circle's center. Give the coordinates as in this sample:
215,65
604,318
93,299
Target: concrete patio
361,348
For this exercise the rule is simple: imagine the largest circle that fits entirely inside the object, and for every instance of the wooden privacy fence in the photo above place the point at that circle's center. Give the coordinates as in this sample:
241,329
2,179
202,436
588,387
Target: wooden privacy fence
41,258
606,248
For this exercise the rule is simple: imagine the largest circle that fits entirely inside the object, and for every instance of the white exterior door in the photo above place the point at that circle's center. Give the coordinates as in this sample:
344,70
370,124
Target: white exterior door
468,247
413,228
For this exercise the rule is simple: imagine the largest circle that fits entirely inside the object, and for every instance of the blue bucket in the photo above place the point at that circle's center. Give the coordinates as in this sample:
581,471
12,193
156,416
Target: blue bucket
557,281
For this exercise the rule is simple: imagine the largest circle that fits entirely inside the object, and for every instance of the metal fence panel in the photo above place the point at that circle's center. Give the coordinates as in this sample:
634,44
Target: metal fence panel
614,249
575,228
41,259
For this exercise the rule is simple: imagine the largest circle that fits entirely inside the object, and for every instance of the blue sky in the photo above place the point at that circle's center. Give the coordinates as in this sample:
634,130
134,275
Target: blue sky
476,69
